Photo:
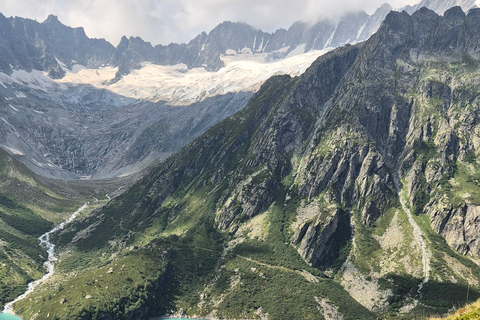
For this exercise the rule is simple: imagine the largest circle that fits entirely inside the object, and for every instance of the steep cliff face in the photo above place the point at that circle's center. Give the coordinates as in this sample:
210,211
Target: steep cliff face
328,190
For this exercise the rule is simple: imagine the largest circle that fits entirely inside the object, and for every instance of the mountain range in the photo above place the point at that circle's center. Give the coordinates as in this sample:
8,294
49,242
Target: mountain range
344,186
72,108
346,192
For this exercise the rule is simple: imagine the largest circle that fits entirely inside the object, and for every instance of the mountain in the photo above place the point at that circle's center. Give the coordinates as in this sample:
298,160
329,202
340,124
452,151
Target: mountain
441,6
28,45
74,107
347,192
49,46
206,49
80,126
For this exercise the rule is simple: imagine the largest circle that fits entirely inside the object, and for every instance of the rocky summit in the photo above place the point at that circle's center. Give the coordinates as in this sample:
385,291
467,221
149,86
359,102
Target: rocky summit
348,190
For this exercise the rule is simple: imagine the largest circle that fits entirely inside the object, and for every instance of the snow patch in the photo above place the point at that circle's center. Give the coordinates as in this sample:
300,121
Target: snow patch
329,41
61,64
175,84
298,50
83,75
260,48
20,95
38,164
77,68
14,151
246,51
283,49
361,30
14,109
37,80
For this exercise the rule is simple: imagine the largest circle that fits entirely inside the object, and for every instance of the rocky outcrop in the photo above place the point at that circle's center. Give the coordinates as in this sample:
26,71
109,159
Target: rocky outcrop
320,238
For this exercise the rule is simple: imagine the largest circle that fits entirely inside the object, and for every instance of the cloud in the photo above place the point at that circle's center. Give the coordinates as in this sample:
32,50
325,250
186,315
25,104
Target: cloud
165,21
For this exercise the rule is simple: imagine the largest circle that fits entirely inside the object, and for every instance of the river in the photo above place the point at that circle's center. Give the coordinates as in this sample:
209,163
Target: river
49,264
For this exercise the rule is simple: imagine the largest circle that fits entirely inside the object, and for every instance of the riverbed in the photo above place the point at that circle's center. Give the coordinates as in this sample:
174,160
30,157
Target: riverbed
49,264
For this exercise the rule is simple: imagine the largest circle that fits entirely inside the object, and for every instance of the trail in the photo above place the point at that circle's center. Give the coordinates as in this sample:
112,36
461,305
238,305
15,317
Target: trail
417,234
304,273
49,264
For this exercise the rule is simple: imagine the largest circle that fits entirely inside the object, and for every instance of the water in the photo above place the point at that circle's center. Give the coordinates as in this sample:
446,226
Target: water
49,264
6,316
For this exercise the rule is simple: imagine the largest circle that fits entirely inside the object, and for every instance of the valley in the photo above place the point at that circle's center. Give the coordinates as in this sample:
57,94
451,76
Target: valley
246,174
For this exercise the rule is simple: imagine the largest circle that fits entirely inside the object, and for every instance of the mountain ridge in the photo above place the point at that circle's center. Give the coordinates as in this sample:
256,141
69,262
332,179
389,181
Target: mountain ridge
204,50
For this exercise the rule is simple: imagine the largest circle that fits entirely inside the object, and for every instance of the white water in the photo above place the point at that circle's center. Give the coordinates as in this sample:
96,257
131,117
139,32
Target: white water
417,234
49,264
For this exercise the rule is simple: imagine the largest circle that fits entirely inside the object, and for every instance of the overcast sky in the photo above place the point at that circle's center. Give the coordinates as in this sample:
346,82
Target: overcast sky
165,21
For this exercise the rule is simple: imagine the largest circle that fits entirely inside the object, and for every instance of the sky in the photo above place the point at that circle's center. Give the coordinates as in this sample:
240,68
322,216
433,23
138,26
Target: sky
166,21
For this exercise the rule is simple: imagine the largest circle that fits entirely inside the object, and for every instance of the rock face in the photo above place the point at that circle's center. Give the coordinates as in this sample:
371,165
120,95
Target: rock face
29,45
441,6
110,136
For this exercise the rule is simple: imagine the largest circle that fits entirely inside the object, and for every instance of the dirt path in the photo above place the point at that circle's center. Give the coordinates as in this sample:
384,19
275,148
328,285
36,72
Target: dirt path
304,273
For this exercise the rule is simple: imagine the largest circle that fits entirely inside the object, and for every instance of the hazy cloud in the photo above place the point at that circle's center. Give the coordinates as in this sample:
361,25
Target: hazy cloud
165,21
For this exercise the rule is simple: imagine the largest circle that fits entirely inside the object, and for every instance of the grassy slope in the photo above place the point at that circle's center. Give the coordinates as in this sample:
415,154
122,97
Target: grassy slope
469,312
29,207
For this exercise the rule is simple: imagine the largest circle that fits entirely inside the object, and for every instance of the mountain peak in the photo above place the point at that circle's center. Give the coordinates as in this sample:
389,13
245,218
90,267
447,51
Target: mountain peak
52,19
229,26
474,12
455,13
394,20
384,6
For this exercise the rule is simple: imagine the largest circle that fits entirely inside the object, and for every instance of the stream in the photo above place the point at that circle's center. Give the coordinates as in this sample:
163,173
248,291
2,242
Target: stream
49,264
417,234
